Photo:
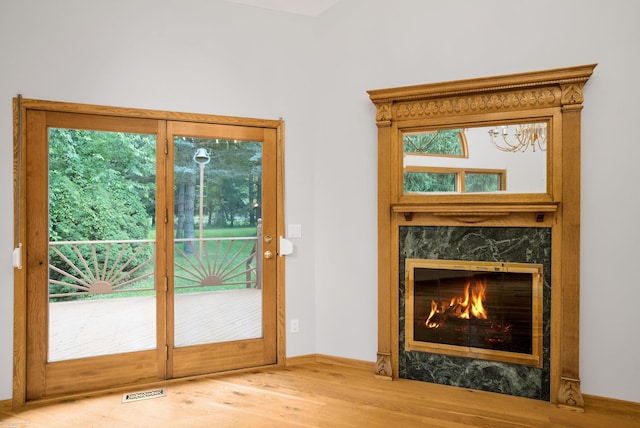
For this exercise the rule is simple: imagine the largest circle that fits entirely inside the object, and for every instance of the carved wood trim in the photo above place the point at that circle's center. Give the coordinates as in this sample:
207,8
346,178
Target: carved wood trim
510,93
569,394
496,84
383,365
572,93
383,113
483,103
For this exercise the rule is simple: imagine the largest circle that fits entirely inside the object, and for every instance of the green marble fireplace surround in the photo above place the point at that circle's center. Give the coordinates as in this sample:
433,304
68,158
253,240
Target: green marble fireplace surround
491,244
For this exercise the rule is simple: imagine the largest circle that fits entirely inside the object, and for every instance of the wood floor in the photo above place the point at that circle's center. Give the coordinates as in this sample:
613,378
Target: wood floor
313,394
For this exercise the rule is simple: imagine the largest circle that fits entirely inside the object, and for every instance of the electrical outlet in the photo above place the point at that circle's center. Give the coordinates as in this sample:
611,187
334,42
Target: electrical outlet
295,325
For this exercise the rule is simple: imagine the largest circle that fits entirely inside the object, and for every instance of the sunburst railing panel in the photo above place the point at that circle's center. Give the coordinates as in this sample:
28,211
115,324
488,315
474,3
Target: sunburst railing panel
93,269
82,269
222,262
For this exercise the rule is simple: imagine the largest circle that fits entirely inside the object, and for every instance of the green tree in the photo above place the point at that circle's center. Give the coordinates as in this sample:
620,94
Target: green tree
233,186
101,187
236,194
481,182
185,173
441,142
429,182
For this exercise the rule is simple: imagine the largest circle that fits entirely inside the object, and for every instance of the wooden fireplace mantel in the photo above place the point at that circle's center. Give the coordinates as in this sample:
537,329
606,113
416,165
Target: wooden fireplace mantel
475,213
554,96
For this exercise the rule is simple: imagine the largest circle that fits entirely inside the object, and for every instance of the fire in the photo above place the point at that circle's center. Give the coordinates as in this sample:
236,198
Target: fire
434,310
469,304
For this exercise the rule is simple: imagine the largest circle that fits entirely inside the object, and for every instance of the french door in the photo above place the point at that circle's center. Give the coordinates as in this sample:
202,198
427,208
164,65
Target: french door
222,293
150,246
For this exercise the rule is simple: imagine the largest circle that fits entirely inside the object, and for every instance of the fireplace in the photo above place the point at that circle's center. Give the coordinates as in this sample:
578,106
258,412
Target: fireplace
530,218
476,309
519,261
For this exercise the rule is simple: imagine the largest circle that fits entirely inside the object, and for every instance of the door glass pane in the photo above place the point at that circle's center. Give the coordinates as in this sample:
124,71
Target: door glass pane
217,276
101,243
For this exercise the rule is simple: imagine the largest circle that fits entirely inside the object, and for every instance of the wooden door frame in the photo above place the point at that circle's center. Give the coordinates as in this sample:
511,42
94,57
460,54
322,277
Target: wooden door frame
20,109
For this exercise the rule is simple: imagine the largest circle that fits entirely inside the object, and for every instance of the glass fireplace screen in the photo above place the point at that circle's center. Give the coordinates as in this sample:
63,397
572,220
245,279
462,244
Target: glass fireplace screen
486,310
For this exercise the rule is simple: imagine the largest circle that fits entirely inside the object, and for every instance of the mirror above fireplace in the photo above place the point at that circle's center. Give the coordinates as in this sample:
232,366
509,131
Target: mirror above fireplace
500,157
494,139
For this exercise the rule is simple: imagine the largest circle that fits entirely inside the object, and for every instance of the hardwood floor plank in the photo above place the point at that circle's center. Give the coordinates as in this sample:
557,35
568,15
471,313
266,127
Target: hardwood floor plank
317,395
396,397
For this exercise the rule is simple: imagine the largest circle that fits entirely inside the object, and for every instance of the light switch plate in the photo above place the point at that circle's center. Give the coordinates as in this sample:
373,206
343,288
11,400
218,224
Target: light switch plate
294,231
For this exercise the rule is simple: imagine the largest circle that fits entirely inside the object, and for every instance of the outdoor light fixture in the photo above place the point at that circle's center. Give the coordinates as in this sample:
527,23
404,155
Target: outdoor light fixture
202,157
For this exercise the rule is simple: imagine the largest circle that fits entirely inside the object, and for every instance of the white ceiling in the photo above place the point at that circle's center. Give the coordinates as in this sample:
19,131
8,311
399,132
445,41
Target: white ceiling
299,7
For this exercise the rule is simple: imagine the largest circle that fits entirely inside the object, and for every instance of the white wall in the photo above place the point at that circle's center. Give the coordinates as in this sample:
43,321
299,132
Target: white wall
375,44
197,56
208,56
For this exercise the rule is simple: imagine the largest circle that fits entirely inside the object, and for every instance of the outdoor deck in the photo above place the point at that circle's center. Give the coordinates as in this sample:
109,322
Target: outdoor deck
109,326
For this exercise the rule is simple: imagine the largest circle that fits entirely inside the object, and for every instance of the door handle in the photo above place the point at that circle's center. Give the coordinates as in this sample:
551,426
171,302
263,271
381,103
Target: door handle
268,255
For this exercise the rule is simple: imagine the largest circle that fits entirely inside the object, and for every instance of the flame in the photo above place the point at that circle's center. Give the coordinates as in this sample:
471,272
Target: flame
469,304
434,310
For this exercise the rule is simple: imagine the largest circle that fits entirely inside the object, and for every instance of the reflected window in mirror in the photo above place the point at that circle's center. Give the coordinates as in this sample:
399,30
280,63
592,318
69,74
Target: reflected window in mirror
443,142
476,159
427,180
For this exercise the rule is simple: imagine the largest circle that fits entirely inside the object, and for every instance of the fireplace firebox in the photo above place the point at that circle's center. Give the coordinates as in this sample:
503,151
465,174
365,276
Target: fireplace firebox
485,310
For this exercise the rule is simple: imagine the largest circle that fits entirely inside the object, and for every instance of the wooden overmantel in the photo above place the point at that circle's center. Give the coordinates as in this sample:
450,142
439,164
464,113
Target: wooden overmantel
554,96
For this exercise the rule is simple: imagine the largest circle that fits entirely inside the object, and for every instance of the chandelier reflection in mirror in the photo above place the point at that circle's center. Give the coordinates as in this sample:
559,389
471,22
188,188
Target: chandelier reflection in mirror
520,137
